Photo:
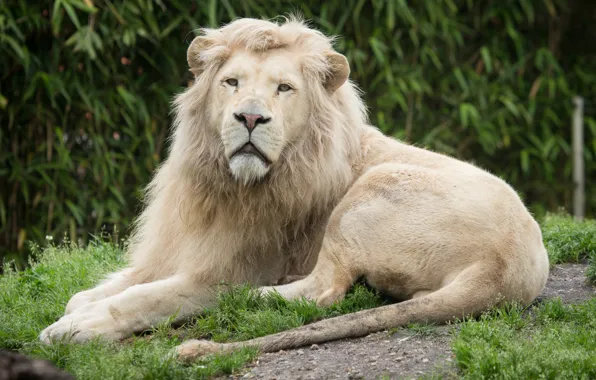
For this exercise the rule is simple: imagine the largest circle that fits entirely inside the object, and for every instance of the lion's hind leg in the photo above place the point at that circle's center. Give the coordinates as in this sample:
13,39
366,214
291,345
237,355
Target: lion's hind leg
327,283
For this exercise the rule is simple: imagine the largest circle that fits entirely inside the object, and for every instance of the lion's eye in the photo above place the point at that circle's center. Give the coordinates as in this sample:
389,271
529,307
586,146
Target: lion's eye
283,87
232,82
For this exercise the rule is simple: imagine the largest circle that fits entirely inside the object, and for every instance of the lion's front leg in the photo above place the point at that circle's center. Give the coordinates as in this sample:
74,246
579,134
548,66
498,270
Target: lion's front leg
114,284
135,309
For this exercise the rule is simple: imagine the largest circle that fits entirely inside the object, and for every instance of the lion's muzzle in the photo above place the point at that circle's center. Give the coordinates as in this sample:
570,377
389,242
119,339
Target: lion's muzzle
250,121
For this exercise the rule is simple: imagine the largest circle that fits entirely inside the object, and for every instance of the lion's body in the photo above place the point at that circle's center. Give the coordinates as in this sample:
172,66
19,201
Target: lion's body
415,220
320,193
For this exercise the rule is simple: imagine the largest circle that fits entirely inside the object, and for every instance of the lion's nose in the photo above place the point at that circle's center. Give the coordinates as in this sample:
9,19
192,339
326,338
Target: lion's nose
250,120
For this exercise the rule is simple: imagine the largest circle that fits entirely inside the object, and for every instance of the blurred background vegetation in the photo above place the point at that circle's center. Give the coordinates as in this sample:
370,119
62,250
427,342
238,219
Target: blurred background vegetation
86,87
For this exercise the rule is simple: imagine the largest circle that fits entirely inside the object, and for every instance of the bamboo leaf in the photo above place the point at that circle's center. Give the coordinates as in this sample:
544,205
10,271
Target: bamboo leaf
86,91
72,14
487,60
75,211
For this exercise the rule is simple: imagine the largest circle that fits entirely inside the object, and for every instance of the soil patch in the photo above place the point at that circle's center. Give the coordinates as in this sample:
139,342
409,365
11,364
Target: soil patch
569,282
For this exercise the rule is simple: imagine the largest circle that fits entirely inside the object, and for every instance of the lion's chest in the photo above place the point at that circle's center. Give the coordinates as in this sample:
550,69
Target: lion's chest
268,254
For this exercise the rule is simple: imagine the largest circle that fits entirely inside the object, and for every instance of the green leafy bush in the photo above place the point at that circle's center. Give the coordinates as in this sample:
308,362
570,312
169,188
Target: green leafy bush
86,86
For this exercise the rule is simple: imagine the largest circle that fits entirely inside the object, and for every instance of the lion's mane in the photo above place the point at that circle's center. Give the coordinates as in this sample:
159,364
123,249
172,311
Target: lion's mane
304,184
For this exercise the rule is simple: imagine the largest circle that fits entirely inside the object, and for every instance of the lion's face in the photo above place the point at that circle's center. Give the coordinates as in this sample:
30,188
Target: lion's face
264,88
259,104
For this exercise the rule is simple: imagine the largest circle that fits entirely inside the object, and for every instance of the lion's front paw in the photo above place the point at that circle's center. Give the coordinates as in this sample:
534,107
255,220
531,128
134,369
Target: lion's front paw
194,348
83,325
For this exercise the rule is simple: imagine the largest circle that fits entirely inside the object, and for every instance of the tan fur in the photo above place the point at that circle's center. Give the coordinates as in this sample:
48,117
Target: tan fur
333,199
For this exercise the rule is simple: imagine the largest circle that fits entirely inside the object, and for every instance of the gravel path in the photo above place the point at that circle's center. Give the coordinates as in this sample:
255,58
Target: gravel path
400,355
568,281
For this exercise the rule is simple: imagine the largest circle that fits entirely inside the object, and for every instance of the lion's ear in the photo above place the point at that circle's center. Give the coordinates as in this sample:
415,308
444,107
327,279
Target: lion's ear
193,55
339,70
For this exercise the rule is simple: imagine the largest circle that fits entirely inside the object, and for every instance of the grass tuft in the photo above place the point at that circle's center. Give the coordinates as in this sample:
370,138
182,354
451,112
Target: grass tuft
555,341
568,240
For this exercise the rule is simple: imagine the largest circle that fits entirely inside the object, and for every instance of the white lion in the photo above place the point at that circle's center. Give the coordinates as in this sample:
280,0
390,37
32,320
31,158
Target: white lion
274,173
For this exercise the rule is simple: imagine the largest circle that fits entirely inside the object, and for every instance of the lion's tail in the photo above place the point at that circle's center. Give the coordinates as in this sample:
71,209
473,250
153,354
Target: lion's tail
456,300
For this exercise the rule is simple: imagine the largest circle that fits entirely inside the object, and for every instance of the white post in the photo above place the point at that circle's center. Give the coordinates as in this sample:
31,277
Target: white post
578,158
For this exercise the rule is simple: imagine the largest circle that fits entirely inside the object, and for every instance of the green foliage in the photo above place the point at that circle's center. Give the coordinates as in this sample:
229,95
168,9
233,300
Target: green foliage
569,241
85,115
556,341
86,86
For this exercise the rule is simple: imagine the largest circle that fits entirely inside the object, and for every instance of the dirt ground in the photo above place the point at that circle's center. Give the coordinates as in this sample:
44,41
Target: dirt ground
400,355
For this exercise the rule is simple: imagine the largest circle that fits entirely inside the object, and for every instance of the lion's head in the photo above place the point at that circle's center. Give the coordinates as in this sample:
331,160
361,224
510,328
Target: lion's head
266,140
260,100
263,90
259,105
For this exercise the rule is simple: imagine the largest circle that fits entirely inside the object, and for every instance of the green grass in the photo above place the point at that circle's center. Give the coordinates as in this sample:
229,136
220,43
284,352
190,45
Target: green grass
32,299
548,341
242,314
555,341
570,241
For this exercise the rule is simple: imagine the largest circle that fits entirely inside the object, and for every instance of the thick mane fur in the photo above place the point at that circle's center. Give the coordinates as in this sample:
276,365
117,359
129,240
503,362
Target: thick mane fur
306,182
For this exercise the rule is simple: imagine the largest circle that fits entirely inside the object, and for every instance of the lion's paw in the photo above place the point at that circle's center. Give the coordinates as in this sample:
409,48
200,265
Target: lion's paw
195,348
83,325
